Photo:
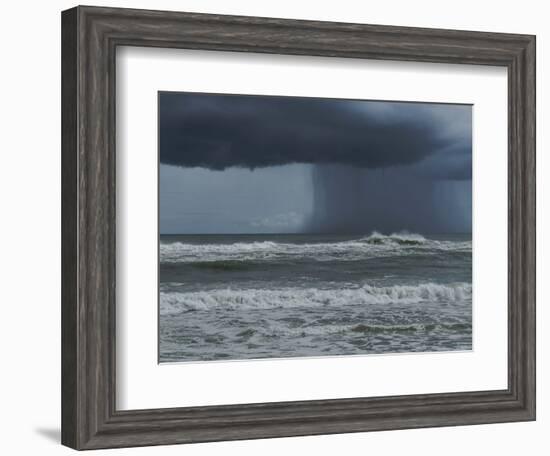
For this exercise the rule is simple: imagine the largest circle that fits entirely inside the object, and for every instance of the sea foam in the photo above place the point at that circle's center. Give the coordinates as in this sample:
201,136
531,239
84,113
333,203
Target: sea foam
375,245
249,299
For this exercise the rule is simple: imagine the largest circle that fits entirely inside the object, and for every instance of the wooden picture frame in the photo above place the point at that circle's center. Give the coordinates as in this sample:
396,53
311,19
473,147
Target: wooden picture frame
90,36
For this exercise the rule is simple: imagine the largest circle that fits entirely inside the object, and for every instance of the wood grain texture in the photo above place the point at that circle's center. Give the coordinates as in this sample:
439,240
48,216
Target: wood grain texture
89,39
69,228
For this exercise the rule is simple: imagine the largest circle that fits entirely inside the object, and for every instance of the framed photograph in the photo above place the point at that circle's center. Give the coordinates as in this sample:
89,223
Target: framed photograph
281,228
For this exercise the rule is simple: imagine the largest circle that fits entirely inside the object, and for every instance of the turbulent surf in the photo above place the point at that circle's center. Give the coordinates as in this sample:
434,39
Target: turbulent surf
270,296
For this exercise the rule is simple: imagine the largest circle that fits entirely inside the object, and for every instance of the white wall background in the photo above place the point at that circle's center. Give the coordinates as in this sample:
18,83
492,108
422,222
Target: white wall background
30,226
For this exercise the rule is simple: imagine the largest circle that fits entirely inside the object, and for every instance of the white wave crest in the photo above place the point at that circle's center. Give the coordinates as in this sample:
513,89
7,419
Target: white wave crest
395,239
248,299
375,245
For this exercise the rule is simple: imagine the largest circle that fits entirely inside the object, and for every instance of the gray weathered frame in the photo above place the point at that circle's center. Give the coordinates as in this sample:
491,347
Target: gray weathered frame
90,36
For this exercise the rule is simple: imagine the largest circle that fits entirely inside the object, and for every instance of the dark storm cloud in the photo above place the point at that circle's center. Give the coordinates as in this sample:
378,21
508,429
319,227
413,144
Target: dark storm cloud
452,163
221,131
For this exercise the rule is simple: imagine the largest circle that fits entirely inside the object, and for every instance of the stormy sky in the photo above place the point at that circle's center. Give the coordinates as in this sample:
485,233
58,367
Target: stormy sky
262,164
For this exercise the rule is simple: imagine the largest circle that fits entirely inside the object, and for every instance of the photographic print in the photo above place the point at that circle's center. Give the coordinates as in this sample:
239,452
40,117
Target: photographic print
307,227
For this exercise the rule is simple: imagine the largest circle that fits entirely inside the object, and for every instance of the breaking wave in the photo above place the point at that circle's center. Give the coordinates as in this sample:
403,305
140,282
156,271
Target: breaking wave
248,299
375,245
395,239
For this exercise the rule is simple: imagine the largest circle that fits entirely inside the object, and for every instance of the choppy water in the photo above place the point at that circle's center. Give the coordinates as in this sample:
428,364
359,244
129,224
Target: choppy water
272,296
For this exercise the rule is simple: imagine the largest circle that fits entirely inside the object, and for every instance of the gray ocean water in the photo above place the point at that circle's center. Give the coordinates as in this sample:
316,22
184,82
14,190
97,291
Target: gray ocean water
270,296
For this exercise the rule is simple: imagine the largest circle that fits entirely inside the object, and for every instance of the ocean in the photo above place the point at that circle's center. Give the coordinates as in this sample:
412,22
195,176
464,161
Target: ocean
234,297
